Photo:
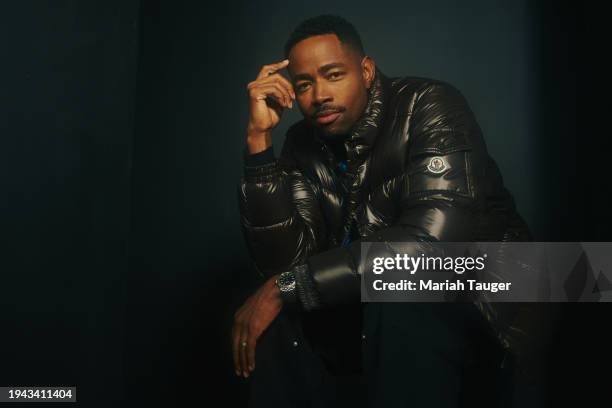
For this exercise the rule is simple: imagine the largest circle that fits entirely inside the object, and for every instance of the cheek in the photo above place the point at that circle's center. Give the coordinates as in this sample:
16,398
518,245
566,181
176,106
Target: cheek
354,97
302,102
360,101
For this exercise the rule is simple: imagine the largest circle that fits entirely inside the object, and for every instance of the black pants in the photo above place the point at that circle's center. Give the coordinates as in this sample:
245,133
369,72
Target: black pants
290,374
413,355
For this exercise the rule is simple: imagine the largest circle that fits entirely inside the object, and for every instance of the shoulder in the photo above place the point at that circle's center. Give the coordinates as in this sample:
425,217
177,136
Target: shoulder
298,132
300,148
437,116
298,139
419,91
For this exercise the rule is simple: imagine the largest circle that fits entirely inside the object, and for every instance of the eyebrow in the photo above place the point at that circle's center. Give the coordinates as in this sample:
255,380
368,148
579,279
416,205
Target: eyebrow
322,70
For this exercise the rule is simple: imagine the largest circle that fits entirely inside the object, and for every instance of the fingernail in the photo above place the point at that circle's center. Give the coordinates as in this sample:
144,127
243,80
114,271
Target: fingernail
238,373
246,374
251,367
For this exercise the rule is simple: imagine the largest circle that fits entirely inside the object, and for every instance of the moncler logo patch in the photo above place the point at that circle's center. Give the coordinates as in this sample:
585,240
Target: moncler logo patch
436,165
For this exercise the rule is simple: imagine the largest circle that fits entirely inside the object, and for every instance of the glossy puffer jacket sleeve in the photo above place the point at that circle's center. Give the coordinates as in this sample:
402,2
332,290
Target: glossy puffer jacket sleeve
280,218
439,194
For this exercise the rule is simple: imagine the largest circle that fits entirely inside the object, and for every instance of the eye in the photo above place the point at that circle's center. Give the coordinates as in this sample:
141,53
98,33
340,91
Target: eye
302,87
336,74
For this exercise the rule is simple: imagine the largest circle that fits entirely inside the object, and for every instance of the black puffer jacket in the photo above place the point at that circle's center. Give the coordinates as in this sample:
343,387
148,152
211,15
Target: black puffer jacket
418,169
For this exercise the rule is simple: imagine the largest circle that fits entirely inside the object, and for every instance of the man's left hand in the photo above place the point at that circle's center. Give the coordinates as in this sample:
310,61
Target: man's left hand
250,321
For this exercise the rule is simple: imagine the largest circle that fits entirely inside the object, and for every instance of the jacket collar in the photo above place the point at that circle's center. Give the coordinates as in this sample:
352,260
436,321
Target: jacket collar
364,131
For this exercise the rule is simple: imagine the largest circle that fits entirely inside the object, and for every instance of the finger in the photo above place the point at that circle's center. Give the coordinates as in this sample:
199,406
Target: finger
286,96
244,338
284,82
251,352
270,91
286,86
273,89
236,349
270,69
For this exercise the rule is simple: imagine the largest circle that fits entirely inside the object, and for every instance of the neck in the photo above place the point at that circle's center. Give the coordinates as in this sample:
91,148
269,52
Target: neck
336,144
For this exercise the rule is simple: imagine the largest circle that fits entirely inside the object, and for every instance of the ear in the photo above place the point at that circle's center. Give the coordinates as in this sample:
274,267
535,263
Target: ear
368,70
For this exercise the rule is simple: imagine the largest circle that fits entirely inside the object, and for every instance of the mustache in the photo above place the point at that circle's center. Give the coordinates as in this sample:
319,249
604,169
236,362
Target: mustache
334,109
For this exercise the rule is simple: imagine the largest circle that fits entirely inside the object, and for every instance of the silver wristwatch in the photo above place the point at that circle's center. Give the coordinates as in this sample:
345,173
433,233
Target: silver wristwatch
286,281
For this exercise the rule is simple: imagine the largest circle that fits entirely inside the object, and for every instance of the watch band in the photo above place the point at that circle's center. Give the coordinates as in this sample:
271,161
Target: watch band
298,289
287,287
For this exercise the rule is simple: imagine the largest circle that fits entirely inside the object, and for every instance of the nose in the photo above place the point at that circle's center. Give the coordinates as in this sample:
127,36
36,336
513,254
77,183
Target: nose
321,94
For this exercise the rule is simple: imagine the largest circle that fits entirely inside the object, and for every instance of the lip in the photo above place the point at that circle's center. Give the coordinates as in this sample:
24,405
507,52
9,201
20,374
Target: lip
327,119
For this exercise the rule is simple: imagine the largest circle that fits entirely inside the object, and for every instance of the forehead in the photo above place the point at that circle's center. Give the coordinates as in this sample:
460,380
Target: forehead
316,51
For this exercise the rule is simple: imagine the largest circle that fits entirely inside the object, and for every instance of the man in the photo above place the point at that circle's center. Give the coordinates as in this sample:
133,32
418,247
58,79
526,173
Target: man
376,159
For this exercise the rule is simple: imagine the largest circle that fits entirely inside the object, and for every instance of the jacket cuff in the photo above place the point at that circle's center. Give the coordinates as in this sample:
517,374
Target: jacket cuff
304,296
306,289
259,167
260,173
258,159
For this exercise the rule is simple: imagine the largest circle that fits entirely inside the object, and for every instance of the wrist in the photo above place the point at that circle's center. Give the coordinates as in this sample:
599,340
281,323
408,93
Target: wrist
258,140
287,291
273,282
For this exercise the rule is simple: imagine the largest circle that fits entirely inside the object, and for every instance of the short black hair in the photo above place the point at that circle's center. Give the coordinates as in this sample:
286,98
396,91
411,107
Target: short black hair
326,24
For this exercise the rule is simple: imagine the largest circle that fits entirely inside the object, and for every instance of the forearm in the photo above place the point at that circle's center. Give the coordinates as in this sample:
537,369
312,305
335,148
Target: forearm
279,214
265,199
332,278
258,141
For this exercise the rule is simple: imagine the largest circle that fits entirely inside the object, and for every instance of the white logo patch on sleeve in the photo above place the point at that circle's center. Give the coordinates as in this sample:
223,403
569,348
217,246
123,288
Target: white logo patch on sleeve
437,165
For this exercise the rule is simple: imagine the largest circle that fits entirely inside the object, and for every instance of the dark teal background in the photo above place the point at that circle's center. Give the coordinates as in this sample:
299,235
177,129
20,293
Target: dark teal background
122,126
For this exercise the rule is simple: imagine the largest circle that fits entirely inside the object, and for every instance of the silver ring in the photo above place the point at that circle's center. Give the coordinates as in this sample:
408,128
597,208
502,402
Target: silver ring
243,344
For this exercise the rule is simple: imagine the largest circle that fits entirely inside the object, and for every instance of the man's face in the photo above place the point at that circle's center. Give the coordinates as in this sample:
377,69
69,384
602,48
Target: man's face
331,82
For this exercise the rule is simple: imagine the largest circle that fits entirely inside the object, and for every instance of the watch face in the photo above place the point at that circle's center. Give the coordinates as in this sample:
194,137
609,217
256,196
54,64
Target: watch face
286,281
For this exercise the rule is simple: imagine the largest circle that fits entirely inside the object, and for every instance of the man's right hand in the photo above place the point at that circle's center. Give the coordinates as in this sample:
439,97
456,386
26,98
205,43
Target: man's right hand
269,94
